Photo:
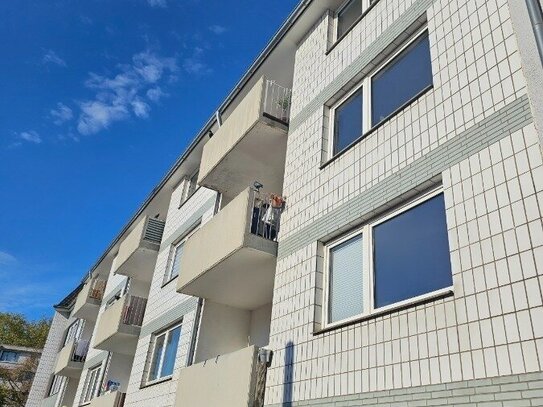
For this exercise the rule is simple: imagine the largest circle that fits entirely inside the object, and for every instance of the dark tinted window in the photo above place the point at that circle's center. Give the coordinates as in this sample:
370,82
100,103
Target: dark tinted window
348,122
347,16
411,253
402,79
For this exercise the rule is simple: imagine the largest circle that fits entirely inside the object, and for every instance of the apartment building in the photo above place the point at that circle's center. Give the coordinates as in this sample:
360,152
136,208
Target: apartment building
406,269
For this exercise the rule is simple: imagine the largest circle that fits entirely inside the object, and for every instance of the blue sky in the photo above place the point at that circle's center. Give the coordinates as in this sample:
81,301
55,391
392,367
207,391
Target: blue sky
98,98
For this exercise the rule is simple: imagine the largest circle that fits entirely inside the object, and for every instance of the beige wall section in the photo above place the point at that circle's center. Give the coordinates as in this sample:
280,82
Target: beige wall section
119,370
232,377
223,330
259,329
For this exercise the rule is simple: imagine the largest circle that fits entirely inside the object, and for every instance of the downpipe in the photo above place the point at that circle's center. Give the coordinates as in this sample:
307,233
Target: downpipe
536,18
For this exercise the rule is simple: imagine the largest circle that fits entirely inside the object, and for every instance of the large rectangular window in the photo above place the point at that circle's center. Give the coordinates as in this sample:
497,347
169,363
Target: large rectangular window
402,79
164,353
396,260
392,86
92,385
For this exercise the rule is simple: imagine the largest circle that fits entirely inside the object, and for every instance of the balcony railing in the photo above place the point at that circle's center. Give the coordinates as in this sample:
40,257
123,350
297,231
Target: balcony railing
119,325
110,399
138,251
134,310
251,142
71,357
242,233
267,209
89,300
97,289
276,104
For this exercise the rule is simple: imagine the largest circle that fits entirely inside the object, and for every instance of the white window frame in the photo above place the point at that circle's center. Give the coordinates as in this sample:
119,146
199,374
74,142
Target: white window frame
366,4
74,331
169,269
368,293
56,385
166,333
365,84
92,384
187,183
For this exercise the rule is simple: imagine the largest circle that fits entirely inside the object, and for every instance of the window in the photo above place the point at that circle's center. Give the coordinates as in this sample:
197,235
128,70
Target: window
349,14
189,187
9,356
176,253
93,384
405,77
348,122
56,385
164,354
74,331
401,79
394,261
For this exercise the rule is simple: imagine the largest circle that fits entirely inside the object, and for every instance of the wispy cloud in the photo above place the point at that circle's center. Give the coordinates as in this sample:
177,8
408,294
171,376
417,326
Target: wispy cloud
126,93
61,114
51,57
157,3
6,258
195,63
30,136
217,29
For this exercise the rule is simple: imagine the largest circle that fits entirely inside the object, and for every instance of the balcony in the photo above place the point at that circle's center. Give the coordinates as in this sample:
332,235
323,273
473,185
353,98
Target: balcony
231,259
232,380
89,299
138,251
71,358
120,324
50,401
251,143
112,399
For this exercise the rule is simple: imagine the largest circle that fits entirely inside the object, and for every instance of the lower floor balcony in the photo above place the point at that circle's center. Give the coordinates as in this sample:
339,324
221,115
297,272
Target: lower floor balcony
71,358
50,401
120,324
111,399
232,380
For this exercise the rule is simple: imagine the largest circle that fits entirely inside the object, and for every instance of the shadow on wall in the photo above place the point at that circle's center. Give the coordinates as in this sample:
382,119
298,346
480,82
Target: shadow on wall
288,374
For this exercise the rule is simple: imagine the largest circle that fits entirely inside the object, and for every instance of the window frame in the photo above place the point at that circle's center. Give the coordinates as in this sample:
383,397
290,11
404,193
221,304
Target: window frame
187,183
173,249
370,311
366,85
96,386
150,356
366,6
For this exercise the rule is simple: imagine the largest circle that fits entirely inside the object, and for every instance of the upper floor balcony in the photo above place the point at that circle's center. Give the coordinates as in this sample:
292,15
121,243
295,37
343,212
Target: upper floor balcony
251,143
138,251
232,380
119,326
89,299
71,358
231,259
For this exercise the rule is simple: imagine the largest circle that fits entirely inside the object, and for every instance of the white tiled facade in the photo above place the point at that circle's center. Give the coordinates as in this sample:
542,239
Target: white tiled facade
472,135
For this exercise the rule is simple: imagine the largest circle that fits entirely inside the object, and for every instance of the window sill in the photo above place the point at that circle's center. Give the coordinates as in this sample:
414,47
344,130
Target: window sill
338,40
169,281
155,382
377,126
411,303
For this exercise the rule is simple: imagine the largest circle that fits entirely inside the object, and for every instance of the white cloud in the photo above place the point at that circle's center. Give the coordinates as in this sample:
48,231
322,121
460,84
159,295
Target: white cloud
195,64
124,94
6,258
50,57
217,29
157,3
61,114
30,136
155,94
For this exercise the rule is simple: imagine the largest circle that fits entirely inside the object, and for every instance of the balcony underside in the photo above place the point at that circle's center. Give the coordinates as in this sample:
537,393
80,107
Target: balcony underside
242,280
70,369
258,156
140,264
88,310
124,341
